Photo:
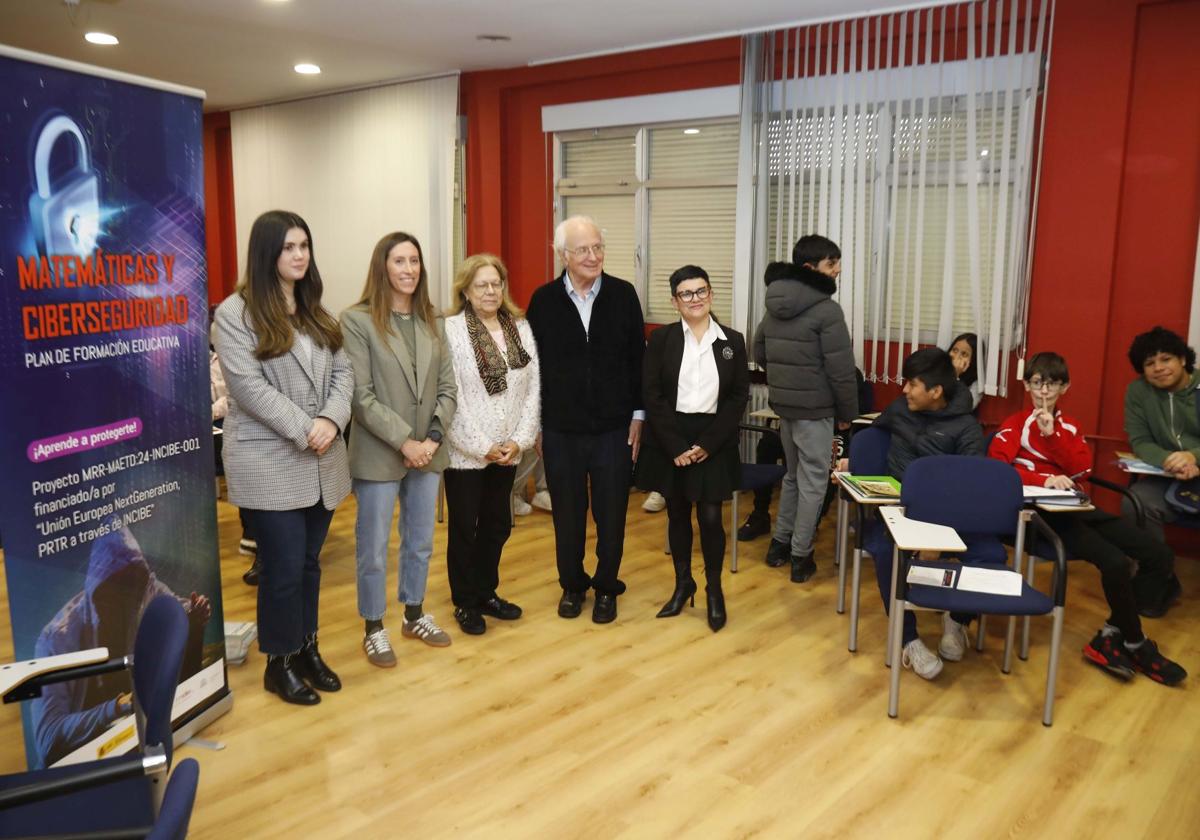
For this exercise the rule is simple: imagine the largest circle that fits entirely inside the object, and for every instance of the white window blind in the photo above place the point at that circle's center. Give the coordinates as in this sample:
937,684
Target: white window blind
665,198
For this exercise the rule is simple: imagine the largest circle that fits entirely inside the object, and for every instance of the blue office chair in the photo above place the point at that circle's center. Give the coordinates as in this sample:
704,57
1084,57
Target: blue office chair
982,499
868,456
121,794
176,811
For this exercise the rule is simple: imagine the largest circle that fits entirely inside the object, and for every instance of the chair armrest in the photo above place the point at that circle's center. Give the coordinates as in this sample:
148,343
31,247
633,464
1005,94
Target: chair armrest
1060,558
89,775
1139,510
755,427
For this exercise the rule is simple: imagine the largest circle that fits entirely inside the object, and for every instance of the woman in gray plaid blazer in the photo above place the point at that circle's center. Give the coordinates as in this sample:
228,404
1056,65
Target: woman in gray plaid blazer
404,400
285,461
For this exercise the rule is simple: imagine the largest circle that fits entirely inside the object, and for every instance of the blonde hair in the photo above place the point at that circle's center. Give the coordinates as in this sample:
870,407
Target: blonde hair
466,274
377,291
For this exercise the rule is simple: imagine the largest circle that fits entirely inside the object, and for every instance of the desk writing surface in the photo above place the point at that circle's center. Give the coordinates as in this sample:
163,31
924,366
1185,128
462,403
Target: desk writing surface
913,535
15,673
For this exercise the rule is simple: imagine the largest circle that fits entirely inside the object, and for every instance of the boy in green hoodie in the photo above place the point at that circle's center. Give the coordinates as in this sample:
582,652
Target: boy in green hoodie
1161,418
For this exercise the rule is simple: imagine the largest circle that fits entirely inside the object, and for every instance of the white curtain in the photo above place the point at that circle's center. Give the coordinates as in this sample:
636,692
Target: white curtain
355,166
910,140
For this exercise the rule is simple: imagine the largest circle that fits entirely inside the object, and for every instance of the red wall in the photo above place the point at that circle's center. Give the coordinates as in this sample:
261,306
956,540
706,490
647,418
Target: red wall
220,234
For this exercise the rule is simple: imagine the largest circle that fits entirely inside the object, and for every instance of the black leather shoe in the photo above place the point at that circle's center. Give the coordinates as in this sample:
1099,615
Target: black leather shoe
497,607
281,678
778,553
683,590
1170,595
716,609
571,603
470,621
605,609
309,665
755,526
803,567
250,576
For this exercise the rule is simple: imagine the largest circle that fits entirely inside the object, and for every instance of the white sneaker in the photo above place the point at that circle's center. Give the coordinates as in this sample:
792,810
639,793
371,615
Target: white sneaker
521,507
954,639
654,502
921,659
541,500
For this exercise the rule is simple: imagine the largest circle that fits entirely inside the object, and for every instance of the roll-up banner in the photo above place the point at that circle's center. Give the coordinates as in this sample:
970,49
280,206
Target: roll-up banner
107,495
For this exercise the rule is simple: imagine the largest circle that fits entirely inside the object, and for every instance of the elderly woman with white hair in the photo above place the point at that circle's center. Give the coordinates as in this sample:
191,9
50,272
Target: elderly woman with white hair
590,340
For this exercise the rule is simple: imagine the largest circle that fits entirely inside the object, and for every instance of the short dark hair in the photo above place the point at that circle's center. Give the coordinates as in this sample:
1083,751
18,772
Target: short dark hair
972,372
1160,340
1049,366
687,272
812,249
932,366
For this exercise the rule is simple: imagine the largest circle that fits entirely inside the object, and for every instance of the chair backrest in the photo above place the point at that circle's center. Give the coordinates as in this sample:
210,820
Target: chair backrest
157,657
176,813
970,494
869,451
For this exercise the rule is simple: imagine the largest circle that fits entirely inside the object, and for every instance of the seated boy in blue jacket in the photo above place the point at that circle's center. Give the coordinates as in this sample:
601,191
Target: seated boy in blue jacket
933,417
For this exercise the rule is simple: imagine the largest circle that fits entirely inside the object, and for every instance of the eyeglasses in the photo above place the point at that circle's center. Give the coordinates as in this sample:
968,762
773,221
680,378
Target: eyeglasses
1044,384
687,295
583,250
488,285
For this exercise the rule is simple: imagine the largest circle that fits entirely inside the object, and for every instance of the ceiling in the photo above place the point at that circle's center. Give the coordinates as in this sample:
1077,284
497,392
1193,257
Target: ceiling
242,51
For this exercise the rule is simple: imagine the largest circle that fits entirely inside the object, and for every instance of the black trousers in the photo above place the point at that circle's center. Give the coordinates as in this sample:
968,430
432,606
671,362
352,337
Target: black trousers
1110,544
573,461
479,521
768,450
289,584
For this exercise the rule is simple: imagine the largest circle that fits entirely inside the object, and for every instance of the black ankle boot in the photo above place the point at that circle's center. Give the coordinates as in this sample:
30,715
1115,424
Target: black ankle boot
312,668
684,589
281,678
716,607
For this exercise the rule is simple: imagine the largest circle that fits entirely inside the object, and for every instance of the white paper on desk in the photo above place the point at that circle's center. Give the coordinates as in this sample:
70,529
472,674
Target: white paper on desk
989,581
1031,492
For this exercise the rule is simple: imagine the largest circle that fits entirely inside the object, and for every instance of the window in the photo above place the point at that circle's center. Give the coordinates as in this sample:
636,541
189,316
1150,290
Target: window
665,196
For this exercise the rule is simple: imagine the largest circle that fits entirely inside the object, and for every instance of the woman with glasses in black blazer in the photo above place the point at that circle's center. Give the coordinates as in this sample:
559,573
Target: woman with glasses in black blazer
695,386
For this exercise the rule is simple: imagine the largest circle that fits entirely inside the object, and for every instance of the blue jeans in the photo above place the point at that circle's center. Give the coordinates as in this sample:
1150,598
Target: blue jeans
289,584
418,492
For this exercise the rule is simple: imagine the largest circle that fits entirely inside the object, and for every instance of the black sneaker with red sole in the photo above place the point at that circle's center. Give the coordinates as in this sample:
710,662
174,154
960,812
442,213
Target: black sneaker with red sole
1108,652
1149,661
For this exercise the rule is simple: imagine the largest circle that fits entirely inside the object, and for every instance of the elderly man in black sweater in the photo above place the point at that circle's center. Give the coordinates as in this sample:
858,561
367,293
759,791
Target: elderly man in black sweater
590,338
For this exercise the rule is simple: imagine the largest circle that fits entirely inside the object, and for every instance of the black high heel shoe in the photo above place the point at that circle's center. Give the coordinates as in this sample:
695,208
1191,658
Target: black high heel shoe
684,590
716,609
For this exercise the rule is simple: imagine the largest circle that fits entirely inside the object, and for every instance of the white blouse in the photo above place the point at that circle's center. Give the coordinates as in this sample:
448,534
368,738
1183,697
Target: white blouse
699,382
483,420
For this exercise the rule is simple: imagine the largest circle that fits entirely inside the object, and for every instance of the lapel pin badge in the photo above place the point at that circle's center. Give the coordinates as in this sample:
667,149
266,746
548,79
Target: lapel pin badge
727,353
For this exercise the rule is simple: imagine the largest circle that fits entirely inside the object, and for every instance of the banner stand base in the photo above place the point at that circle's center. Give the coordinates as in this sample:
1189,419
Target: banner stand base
184,733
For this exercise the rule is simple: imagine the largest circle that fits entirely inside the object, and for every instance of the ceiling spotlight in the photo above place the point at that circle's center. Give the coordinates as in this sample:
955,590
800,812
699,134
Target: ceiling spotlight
101,38
495,39
307,69
691,131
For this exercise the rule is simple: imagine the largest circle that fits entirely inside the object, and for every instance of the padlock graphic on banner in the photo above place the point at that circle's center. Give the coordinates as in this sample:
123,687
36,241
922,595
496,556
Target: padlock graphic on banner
65,215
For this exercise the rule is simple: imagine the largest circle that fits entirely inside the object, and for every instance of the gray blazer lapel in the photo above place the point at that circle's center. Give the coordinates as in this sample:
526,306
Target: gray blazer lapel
305,364
400,351
424,354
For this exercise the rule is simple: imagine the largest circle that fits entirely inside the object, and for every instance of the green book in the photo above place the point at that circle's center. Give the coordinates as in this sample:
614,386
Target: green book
875,486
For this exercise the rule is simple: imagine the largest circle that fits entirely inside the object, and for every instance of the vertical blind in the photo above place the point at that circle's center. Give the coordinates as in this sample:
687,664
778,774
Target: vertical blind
909,139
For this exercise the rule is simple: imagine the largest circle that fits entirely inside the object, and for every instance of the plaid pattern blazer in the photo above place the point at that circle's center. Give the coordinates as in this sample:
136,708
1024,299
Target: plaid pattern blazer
272,405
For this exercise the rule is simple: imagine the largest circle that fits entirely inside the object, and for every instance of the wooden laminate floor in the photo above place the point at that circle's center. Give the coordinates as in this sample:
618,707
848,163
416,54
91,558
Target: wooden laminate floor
659,728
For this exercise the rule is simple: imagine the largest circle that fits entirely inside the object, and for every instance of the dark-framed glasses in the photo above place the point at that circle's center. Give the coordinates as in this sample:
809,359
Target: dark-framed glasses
688,295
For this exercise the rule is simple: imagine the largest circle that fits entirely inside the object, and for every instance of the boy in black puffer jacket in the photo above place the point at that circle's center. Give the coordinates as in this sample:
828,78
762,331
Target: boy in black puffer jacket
805,347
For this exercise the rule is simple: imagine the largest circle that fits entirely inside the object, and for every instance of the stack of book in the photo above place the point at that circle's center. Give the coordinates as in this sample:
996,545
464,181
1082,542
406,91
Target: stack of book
1130,463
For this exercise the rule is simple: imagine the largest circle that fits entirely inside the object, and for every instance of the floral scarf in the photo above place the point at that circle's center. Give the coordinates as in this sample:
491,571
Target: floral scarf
493,367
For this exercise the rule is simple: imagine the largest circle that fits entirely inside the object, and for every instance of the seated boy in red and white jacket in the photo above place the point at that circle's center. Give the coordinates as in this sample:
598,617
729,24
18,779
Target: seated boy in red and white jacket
1048,449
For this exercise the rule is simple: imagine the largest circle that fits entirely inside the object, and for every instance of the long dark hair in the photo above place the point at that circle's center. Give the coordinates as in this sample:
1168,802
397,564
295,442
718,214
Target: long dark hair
265,304
377,291
972,372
